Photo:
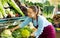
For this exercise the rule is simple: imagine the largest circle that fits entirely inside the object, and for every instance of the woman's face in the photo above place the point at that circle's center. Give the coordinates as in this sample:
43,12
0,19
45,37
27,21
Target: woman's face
31,13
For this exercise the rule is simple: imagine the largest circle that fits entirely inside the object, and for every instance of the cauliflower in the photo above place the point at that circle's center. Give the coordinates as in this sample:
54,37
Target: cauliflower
6,34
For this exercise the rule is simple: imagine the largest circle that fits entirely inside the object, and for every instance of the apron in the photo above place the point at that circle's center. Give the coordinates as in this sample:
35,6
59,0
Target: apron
48,32
37,23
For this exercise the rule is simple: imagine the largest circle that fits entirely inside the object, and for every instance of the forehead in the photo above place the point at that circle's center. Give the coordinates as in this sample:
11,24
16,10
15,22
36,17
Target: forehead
30,10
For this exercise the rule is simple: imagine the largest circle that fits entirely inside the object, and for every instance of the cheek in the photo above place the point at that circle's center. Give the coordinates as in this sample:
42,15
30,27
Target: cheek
33,14
29,15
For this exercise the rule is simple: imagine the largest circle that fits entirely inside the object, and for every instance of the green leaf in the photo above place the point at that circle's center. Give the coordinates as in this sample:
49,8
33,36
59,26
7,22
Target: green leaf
15,6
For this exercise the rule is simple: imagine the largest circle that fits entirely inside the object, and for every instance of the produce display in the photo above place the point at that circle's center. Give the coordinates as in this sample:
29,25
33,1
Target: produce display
19,33
6,34
22,32
46,8
8,9
48,11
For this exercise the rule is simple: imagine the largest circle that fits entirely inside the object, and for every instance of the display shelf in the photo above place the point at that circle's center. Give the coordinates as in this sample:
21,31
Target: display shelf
4,23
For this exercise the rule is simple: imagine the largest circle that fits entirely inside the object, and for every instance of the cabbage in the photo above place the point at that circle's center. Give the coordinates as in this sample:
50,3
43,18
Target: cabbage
25,33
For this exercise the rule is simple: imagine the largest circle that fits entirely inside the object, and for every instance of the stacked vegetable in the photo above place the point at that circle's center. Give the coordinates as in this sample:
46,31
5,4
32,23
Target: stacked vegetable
48,10
19,33
2,10
6,34
22,32
8,8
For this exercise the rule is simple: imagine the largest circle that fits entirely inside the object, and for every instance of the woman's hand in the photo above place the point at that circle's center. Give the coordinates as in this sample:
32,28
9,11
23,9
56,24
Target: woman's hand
34,29
13,29
32,34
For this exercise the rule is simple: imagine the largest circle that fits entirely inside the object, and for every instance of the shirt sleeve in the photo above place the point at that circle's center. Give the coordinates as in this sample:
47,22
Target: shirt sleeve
40,27
25,22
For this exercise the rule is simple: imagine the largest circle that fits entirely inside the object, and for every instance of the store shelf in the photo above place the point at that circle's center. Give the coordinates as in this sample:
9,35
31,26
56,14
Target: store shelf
10,21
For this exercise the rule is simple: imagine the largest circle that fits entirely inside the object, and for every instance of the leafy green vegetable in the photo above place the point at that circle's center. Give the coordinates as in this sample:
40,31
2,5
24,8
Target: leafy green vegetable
50,20
7,10
22,32
48,11
15,6
1,16
2,10
4,2
17,34
47,3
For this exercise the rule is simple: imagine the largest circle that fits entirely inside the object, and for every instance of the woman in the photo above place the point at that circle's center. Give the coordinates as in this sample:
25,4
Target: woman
44,27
